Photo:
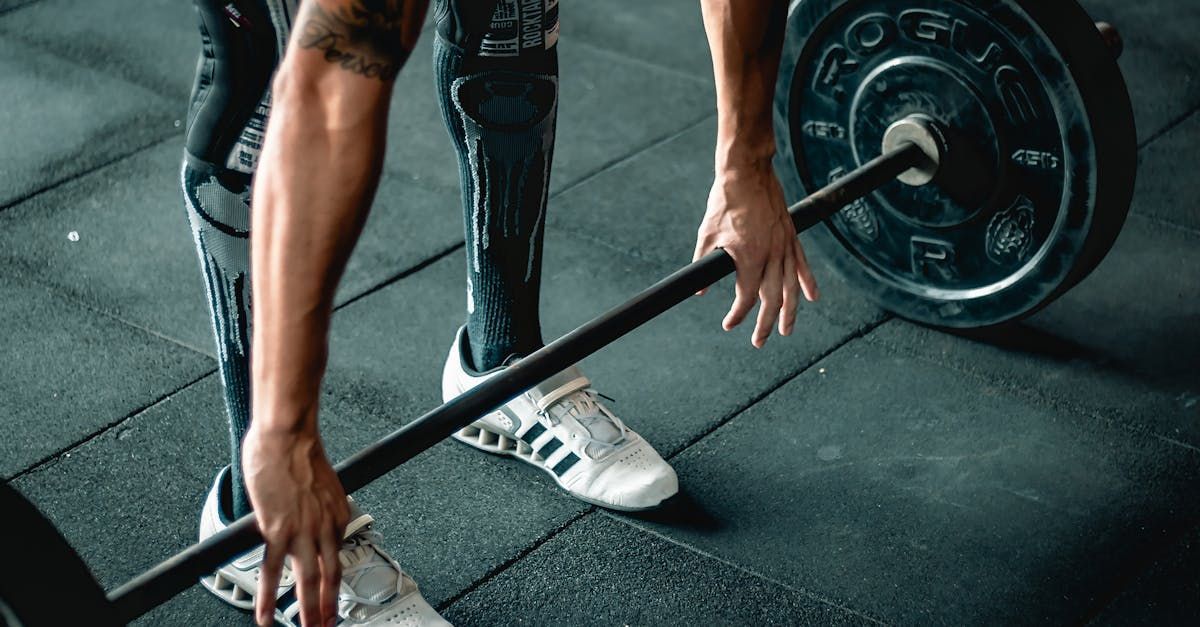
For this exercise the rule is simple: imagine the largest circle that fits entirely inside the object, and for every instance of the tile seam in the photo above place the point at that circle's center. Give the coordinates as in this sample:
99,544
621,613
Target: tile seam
50,460
1044,401
85,64
847,339
112,161
700,80
618,161
1171,125
509,563
19,6
400,276
740,568
1165,223
70,296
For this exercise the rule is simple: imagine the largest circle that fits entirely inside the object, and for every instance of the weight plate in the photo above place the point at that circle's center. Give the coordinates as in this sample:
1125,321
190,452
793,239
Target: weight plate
43,581
1040,164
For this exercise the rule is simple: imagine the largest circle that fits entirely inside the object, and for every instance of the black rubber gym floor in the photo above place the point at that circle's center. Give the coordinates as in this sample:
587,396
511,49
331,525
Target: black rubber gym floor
865,470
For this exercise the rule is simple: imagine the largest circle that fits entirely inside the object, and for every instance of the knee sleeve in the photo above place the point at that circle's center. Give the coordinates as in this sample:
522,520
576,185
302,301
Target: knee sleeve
496,68
241,43
218,210
498,28
507,120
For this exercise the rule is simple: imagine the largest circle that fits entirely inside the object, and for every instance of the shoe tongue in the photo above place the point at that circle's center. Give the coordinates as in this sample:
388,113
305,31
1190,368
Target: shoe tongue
377,584
583,408
374,578
599,427
587,415
368,574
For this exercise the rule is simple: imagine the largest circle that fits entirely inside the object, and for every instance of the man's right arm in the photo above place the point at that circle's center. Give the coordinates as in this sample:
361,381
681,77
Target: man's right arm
316,179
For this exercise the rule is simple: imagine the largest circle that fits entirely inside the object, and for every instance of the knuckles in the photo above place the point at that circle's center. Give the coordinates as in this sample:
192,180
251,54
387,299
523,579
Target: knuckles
277,532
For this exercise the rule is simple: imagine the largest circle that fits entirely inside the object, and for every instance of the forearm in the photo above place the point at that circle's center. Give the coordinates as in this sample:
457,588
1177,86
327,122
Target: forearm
747,216
316,180
746,37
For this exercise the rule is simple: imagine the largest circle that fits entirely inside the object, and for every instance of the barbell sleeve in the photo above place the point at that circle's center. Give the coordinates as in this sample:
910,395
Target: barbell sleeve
162,582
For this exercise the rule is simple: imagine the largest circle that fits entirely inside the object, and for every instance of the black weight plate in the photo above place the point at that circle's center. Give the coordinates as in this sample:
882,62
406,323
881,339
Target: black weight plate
43,581
1041,162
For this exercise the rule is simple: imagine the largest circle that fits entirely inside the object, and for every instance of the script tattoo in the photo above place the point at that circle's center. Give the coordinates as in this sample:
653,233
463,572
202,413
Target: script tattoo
367,37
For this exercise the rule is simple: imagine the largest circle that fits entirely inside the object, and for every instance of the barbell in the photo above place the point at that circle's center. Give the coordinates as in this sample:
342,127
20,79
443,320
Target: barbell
970,161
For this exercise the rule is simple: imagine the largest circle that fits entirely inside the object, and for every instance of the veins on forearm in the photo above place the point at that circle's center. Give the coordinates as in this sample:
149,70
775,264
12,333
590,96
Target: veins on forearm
366,37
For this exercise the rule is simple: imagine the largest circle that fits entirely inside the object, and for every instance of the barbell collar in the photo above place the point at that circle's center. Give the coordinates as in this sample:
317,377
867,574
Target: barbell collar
1112,38
923,131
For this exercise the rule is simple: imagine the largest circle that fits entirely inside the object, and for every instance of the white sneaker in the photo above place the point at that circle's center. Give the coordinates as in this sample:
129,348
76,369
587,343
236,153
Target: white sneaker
562,427
375,591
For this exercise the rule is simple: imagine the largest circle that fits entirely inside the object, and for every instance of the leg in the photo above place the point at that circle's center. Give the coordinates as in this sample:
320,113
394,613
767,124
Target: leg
243,39
496,67
497,74
226,121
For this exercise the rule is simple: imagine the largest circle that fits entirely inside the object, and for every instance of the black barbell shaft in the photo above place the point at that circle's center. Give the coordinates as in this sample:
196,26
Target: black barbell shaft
174,575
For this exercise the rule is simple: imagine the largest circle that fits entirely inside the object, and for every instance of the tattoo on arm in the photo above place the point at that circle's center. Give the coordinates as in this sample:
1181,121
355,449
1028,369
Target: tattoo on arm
367,37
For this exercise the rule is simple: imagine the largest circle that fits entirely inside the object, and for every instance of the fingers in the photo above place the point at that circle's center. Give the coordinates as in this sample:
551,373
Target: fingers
331,570
749,279
791,294
308,580
771,295
804,274
268,584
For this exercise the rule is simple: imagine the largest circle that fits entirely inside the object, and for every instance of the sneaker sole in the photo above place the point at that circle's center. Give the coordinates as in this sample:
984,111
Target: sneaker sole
485,438
229,591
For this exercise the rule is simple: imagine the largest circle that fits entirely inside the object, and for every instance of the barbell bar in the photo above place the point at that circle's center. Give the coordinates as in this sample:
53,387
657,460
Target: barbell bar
174,575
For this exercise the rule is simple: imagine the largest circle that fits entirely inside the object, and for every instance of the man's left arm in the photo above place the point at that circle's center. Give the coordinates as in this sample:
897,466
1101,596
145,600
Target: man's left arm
747,215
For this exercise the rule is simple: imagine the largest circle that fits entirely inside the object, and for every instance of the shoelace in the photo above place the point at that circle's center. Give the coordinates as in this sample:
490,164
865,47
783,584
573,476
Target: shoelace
360,556
588,411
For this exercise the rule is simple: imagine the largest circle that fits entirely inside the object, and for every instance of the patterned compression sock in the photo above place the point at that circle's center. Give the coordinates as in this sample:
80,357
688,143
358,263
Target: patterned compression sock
218,208
241,41
500,112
